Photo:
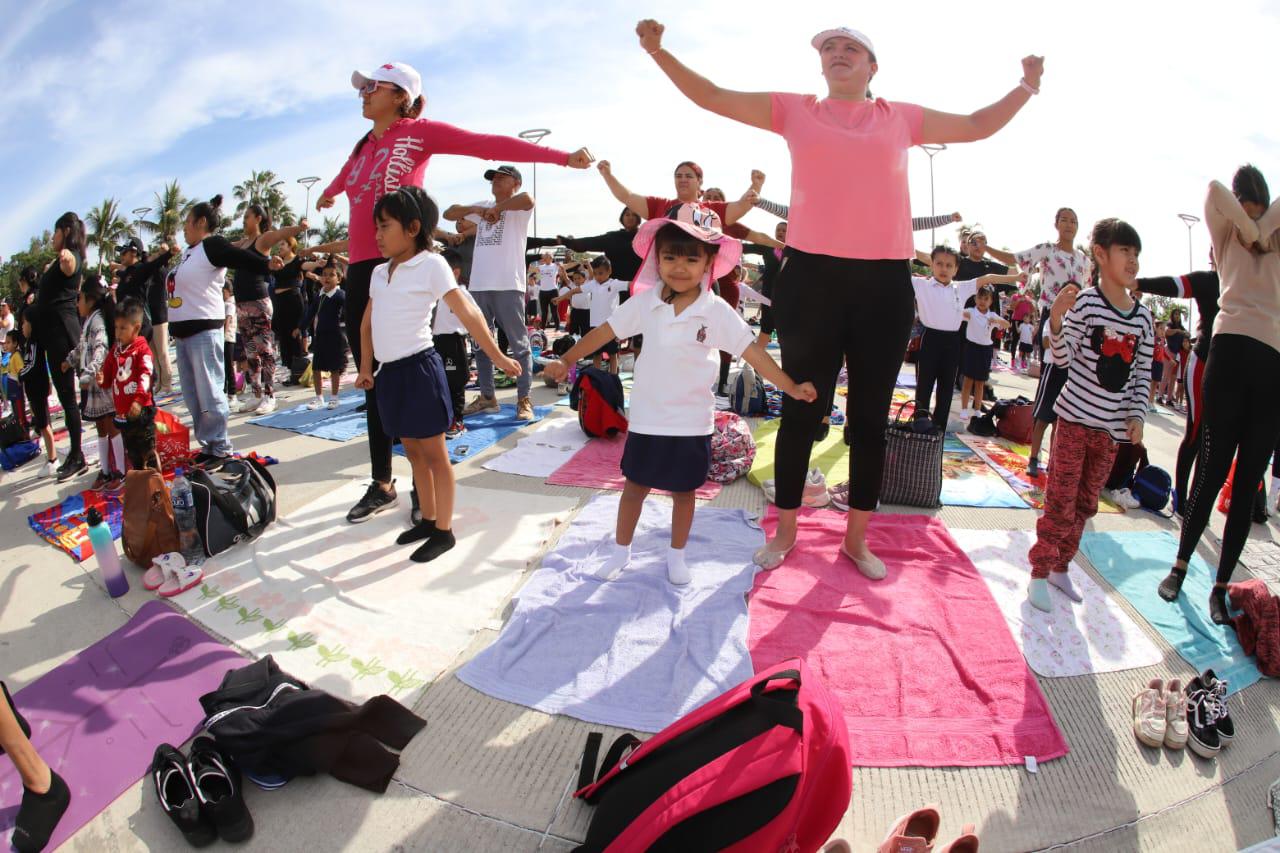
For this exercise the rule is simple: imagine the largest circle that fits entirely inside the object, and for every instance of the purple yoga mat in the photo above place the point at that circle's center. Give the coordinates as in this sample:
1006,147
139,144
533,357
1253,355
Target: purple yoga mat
98,717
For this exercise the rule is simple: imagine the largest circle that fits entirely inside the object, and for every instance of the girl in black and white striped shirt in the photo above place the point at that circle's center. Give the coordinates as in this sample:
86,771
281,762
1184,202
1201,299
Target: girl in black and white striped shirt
1103,336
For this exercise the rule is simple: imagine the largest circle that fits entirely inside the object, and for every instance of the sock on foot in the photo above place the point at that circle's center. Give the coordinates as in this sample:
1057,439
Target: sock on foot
437,543
117,453
1172,584
1038,595
1219,609
422,530
104,454
1062,581
677,569
615,562
39,814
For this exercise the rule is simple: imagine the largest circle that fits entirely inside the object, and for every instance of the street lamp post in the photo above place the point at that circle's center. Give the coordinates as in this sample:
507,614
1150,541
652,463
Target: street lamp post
138,213
932,150
1190,220
308,182
535,135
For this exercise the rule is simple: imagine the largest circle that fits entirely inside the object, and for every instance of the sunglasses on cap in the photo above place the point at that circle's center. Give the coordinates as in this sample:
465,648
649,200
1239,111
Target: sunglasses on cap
372,86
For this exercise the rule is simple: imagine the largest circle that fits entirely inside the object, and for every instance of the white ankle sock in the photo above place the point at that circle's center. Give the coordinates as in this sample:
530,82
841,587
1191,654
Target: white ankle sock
117,451
1062,581
615,562
677,570
104,454
1038,595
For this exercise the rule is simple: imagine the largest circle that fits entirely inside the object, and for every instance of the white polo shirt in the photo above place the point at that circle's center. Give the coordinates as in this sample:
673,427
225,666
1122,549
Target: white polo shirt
680,361
941,305
581,301
979,329
604,298
402,304
446,322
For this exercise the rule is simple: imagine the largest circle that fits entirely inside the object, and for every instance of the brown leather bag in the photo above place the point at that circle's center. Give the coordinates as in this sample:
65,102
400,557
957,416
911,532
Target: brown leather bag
148,528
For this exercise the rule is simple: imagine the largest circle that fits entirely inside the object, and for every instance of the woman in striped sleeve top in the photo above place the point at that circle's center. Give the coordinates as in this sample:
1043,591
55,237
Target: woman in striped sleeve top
1103,338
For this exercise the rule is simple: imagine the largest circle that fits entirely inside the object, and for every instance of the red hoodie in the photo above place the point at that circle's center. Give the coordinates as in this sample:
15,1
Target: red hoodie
130,373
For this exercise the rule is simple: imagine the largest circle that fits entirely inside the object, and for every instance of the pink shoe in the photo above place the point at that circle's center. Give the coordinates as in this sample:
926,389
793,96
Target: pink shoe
154,577
178,581
913,833
838,845
966,843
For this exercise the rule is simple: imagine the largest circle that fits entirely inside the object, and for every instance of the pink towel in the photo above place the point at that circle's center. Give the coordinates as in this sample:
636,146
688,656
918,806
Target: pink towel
598,465
922,661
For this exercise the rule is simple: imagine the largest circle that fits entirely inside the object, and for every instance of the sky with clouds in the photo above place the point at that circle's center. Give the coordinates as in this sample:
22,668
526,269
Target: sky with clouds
1141,105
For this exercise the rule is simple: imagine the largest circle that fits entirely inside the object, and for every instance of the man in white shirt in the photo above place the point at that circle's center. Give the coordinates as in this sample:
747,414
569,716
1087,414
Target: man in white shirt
7,319
498,279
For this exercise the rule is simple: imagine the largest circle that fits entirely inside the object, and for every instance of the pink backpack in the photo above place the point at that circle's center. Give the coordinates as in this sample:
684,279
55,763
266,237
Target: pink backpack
732,448
764,767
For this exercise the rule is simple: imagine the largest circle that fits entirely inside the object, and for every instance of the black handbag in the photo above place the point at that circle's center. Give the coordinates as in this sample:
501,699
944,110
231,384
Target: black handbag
11,432
234,504
912,464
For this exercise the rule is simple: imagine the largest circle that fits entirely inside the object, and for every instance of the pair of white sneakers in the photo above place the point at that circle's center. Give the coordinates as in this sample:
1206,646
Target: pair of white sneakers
171,575
250,404
815,490
318,402
1123,498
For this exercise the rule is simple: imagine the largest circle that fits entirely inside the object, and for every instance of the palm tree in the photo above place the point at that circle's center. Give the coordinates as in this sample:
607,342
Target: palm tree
170,209
266,189
107,228
332,230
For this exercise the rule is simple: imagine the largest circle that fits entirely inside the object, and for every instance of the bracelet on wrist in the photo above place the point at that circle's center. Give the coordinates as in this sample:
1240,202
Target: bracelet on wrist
1027,87
654,52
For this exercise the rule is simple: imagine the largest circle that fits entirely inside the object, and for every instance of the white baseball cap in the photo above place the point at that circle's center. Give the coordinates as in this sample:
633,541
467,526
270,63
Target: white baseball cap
844,33
401,74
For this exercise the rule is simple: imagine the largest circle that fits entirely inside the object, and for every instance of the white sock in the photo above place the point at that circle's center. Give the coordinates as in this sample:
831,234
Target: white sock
117,448
677,569
1062,581
615,562
104,454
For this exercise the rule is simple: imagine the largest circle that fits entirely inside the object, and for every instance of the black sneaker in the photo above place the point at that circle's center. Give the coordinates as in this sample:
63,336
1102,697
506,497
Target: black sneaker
209,461
1218,687
455,429
73,466
1202,715
178,798
217,784
375,500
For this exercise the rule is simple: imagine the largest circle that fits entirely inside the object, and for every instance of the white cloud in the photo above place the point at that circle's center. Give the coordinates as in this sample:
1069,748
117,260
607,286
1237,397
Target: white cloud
1138,109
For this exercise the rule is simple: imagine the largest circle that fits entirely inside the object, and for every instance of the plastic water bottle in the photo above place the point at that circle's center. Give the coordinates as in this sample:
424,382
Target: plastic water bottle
184,513
104,549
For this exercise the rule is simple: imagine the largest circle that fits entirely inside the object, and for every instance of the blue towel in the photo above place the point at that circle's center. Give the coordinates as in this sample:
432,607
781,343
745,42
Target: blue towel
485,430
1135,563
341,424
635,652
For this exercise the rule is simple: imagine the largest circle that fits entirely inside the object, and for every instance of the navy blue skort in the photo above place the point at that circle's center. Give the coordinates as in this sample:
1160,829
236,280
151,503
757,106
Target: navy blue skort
413,396
674,463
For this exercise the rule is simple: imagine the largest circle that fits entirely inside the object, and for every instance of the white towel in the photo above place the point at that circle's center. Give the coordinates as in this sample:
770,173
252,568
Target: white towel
541,453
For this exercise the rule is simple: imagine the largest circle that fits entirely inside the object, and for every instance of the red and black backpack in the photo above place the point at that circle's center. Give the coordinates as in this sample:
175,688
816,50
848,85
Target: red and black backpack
764,767
598,399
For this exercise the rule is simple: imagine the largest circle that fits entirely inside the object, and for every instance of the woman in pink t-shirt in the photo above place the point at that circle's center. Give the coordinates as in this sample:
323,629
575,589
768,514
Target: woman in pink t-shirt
394,154
844,289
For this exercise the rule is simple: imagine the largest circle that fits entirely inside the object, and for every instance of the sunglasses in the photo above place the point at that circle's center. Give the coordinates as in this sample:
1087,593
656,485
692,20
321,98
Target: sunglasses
372,86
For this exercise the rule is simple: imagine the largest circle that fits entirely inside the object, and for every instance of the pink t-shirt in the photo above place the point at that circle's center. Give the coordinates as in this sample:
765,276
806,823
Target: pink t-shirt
399,157
849,195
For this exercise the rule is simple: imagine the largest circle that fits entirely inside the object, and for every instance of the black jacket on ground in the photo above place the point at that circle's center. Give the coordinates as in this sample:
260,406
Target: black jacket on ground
271,723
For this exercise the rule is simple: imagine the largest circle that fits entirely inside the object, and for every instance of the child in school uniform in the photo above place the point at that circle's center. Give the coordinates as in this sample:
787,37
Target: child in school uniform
602,291
940,301
1103,337
129,373
12,378
324,322
579,302
1026,341
978,349
451,342
413,393
685,326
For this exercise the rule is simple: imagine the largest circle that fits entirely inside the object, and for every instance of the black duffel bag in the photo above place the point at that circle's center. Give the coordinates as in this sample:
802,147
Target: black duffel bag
233,504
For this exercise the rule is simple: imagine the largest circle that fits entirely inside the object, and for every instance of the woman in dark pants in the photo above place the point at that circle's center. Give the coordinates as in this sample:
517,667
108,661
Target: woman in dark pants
849,240
57,328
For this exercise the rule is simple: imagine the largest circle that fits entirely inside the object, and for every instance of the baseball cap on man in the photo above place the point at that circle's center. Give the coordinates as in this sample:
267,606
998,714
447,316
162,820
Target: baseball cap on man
133,244
843,33
504,170
401,74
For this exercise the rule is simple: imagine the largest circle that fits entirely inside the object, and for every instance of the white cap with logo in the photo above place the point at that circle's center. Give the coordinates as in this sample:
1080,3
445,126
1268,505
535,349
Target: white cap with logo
843,33
401,74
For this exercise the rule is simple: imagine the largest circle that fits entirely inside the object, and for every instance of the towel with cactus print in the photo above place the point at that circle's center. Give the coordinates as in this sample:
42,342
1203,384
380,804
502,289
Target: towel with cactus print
342,607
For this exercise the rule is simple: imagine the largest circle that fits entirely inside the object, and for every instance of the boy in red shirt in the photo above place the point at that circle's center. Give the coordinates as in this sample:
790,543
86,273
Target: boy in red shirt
129,371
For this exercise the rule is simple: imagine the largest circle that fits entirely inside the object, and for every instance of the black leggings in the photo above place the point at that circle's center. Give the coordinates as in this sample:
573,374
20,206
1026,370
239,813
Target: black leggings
822,306
452,347
1241,421
550,313
287,310
67,388
937,363
357,287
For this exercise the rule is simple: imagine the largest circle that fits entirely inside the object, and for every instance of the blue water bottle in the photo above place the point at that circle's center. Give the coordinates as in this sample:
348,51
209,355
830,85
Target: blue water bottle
104,549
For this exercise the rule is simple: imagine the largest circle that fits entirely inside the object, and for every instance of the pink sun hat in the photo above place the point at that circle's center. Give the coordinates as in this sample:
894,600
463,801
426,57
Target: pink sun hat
727,257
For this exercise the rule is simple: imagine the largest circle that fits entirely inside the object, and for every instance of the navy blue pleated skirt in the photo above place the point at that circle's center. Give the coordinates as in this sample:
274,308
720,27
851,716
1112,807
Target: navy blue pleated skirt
675,463
413,396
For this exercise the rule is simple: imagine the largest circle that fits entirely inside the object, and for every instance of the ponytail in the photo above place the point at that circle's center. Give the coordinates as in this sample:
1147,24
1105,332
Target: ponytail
413,109
210,211
73,239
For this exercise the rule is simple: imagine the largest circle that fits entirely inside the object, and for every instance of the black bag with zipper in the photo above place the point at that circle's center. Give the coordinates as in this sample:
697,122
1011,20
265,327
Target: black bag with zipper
233,504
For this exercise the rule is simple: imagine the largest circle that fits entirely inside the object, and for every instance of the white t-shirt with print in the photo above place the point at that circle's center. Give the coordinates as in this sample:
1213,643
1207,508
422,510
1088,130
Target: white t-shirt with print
401,302
680,361
548,276
499,260
1057,268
